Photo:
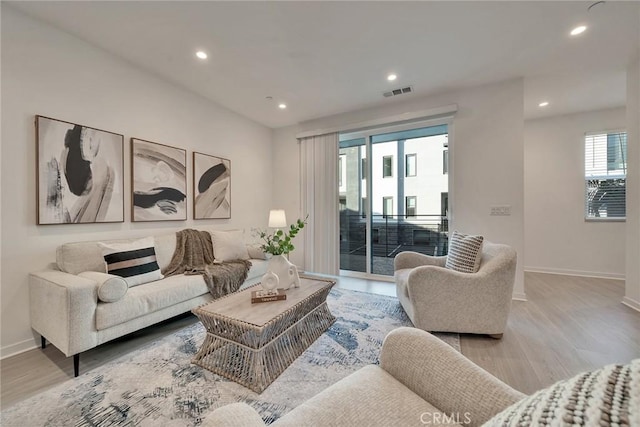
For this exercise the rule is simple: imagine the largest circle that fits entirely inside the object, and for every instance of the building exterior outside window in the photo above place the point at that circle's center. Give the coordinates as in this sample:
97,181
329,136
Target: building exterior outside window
411,163
445,161
387,206
380,176
387,167
410,208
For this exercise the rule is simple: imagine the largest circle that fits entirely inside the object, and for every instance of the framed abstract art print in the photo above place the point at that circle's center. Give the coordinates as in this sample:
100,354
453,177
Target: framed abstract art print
79,173
211,187
158,182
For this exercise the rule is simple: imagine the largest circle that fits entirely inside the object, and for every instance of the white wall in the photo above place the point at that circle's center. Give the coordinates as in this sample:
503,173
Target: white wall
48,72
486,154
632,286
557,238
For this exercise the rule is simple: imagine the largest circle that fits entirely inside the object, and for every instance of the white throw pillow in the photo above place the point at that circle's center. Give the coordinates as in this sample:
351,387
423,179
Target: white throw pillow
111,288
465,253
256,252
134,261
228,245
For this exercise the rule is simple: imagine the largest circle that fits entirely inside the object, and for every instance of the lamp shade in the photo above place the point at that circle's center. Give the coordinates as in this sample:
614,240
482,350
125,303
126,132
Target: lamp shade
277,218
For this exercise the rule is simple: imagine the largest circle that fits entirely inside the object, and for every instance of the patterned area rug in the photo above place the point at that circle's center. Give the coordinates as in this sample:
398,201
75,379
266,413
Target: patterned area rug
158,386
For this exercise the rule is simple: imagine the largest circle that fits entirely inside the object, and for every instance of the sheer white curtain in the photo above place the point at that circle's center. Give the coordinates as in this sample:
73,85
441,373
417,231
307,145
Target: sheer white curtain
319,160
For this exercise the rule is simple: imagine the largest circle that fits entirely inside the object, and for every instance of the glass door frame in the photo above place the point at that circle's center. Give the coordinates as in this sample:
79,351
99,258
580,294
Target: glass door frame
366,134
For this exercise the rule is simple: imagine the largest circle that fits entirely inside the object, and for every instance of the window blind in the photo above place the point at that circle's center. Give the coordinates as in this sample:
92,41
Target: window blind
605,170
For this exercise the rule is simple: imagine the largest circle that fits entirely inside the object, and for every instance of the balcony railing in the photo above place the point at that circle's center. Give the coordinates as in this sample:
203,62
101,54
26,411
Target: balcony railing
390,234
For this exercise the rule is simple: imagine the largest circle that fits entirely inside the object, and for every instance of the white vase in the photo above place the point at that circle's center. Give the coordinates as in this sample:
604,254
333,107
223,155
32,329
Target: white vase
270,282
287,272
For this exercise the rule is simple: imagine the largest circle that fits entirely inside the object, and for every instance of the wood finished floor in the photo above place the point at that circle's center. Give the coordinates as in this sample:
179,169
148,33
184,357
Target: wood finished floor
568,325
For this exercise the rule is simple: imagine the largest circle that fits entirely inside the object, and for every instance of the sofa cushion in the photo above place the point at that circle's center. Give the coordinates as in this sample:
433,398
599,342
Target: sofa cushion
465,253
228,245
607,396
165,245
76,257
256,252
111,288
150,297
134,261
356,401
258,268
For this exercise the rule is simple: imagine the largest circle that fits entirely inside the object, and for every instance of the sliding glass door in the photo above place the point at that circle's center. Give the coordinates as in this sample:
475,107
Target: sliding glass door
393,192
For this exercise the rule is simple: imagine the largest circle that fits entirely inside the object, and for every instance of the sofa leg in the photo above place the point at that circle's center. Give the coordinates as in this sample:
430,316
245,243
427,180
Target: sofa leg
43,341
76,364
496,336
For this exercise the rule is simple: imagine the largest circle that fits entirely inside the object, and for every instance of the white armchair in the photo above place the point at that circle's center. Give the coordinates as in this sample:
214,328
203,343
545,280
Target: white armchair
439,299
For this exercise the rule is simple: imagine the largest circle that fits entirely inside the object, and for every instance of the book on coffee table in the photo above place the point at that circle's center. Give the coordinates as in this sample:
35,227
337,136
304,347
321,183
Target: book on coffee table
262,296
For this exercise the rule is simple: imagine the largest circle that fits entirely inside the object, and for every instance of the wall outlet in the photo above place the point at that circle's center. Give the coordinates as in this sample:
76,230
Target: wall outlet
500,210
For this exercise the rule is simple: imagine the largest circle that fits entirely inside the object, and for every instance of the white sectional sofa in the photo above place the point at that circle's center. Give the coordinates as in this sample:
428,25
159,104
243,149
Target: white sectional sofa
71,310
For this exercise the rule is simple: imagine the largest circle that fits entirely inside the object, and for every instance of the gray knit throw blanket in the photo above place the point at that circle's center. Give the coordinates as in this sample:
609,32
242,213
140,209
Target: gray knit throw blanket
194,255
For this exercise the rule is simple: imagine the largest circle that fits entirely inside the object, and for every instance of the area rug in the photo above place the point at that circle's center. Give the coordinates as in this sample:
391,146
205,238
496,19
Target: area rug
158,386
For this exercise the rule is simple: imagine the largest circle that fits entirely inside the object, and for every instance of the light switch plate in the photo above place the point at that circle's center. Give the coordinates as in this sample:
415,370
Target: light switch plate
500,210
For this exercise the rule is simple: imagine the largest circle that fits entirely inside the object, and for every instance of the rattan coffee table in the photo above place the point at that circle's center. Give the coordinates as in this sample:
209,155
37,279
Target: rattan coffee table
252,344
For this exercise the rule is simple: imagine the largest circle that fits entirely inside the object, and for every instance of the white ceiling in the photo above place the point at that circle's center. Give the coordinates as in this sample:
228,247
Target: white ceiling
323,58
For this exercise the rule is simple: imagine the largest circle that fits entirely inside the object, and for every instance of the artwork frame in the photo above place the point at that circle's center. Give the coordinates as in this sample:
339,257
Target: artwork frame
211,187
79,173
158,182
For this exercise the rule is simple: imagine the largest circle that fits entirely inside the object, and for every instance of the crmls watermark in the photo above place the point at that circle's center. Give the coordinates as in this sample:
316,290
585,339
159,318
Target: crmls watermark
440,418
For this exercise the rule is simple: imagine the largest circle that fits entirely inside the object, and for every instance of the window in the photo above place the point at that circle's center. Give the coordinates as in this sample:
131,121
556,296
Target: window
375,235
410,206
387,206
387,166
605,175
342,203
381,167
341,160
410,163
445,162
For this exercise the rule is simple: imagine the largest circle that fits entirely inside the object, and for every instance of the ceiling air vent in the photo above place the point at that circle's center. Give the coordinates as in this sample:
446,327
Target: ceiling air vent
400,91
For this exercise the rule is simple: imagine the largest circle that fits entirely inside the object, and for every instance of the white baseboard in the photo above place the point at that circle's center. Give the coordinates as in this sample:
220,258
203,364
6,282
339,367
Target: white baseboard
17,348
613,276
631,303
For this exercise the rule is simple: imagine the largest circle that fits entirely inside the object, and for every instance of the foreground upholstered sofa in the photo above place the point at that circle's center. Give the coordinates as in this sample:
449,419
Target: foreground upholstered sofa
438,299
69,310
420,379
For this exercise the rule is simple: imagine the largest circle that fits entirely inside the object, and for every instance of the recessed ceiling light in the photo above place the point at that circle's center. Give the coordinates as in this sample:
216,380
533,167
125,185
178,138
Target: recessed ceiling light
202,55
391,77
282,106
578,30
543,104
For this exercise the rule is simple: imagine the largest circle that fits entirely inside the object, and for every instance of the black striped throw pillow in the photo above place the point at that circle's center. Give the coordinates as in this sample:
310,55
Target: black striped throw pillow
134,261
465,253
606,397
